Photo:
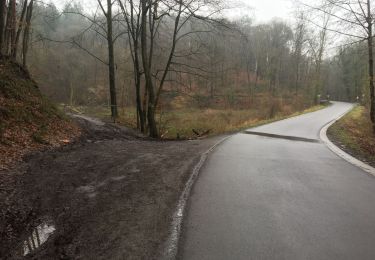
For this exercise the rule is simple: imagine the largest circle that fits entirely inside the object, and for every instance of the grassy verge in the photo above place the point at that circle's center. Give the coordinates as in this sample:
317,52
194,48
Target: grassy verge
218,122
180,123
353,133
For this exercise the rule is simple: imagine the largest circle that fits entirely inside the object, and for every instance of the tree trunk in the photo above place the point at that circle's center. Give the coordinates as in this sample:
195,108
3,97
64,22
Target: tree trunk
7,32
173,48
148,77
2,23
132,21
141,117
19,30
137,74
13,26
111,62
26,33
371,64
71,94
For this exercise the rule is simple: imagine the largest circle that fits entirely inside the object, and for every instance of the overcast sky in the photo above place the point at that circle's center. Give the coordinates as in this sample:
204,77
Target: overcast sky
265,10
262,10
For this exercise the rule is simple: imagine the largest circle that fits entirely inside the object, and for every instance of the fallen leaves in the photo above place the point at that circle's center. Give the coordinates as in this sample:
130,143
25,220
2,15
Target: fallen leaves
354,133
28,121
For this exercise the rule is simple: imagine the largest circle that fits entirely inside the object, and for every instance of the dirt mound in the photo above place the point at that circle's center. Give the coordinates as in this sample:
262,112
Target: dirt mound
28,121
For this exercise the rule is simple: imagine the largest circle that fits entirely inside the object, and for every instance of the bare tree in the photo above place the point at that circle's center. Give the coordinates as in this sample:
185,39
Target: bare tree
356,21
26,34
21,26
111,58
132,13
12,26
318,44
103,30
2,23
299,41
153,14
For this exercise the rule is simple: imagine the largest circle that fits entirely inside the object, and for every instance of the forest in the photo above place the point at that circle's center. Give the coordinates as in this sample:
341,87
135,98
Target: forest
186,129
188,59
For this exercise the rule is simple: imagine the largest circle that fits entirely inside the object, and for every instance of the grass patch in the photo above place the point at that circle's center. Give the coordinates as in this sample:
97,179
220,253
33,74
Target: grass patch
354,134
180,123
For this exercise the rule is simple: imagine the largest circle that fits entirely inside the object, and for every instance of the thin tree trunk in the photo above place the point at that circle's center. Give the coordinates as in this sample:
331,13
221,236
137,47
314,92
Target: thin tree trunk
111,62
137,76
145,98
371,64
133,35
7,33
19,31
141,117
296,84
174,42
26,34
13,26
2,23
148,77
71,94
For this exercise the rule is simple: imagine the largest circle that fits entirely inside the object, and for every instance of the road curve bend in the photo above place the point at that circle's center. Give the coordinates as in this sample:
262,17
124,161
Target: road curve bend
279,193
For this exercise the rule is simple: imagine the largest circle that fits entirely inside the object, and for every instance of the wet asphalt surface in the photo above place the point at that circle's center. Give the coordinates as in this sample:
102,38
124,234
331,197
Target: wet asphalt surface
261,197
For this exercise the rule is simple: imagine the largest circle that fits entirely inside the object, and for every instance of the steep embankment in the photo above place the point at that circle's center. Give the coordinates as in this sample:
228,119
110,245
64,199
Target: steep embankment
28,121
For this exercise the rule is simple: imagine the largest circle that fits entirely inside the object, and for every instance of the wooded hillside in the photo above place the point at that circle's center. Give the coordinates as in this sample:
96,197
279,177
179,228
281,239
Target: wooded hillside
28,121
143,60
195,59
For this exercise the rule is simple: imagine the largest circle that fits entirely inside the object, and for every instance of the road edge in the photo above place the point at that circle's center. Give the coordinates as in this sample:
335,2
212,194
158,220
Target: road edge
170,247
344,155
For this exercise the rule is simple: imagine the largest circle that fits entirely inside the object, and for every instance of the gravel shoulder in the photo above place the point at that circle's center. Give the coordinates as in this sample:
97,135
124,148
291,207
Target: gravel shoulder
110,195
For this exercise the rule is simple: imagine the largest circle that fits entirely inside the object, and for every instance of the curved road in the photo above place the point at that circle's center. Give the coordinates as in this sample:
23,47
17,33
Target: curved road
262,197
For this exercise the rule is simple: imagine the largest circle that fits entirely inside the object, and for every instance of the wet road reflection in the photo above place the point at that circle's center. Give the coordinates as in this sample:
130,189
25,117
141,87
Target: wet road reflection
38,237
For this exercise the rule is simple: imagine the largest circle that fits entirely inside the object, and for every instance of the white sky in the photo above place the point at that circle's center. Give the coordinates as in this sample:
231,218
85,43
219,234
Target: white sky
266,10
262,10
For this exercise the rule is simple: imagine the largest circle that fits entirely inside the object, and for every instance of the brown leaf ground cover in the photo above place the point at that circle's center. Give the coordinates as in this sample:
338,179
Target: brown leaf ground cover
28,121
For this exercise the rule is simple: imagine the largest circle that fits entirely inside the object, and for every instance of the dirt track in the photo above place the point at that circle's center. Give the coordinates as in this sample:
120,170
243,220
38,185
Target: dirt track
111,195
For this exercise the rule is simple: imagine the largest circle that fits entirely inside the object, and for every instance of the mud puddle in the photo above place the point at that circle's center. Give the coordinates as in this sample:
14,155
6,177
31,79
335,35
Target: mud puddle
37,237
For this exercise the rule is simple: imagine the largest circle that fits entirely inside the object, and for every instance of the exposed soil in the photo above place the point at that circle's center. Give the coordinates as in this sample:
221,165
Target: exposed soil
111,195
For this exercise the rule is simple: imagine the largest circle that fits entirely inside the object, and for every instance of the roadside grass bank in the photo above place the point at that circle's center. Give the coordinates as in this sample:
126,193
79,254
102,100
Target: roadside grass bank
353,134
186,123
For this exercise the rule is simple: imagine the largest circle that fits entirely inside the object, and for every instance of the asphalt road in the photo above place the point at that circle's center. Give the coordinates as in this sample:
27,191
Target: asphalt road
271,198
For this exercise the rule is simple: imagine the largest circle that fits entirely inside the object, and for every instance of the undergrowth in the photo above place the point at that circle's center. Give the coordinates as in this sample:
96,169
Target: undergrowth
354,133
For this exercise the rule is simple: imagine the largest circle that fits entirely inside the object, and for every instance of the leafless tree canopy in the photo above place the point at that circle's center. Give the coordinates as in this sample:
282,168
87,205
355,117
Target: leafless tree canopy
151,54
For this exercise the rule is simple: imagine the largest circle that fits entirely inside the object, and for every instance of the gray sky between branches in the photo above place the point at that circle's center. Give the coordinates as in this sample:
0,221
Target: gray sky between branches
262,10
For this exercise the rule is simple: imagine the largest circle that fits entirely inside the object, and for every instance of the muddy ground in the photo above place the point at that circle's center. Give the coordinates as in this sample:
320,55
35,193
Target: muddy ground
110,195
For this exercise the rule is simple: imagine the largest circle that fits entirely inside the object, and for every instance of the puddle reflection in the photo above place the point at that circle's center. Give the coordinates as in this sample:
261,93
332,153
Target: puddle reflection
38,237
